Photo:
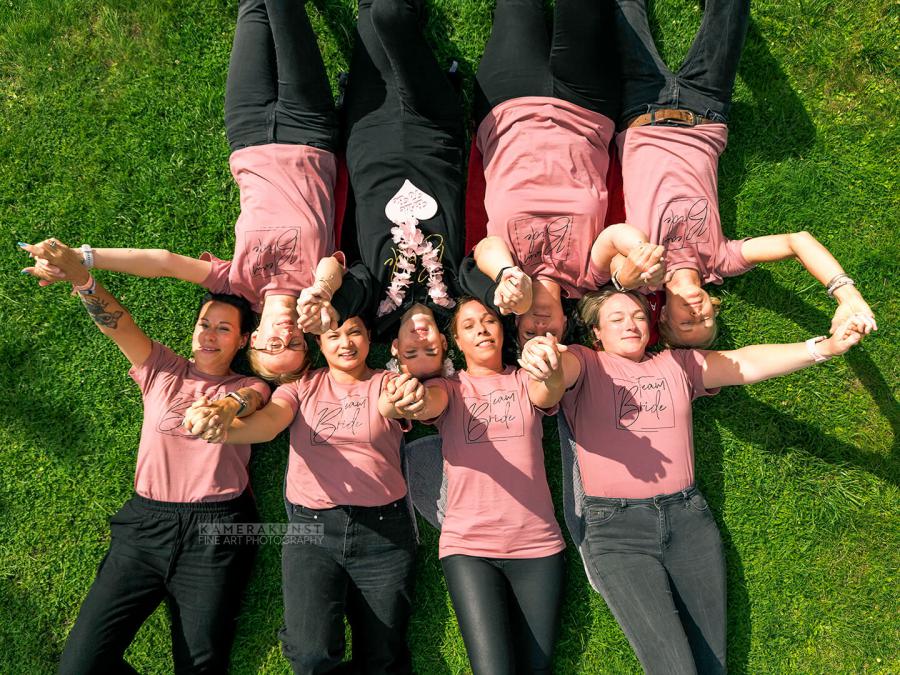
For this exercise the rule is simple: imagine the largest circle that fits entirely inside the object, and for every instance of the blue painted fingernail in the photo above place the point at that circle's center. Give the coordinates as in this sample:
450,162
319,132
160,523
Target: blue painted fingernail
23,272
22,244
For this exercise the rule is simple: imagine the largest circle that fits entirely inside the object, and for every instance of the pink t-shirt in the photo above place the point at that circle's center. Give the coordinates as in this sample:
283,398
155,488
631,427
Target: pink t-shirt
670,181
343,452
632,421
286,224
173,466
545,164
498,501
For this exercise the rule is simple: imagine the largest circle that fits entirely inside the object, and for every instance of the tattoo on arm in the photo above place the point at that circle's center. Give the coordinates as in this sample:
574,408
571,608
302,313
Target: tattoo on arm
97,308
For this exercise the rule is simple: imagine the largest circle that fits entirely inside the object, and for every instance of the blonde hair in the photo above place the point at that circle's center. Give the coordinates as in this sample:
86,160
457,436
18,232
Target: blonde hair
669,340
277,378
590,304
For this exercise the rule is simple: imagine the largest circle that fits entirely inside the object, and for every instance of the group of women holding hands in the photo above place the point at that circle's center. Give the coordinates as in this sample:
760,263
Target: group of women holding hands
548,106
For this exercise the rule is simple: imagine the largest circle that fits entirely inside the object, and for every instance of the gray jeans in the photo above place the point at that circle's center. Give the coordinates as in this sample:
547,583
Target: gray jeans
661,570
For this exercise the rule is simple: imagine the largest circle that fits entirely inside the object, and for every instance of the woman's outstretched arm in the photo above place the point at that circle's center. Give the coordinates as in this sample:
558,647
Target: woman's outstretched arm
111,317
819,262
141,262
756,363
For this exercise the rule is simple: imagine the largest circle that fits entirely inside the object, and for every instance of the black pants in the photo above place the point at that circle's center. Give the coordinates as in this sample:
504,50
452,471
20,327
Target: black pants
660,567
703,83
578,65
508,610
277,89
357,562
393,72
159,552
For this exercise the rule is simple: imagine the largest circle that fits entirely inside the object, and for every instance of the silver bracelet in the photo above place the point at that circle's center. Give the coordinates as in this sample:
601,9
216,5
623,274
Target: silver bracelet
840,283
814,353
88,254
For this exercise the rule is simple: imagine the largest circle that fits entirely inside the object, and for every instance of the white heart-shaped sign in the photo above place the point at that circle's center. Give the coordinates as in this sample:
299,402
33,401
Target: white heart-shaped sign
410,203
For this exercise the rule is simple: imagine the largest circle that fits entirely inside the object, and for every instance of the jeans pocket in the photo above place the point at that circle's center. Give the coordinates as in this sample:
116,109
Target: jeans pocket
598,515
698,503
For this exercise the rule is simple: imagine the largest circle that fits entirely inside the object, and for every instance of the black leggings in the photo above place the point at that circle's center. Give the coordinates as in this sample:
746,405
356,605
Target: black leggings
393,72
508,610
578,65
277,89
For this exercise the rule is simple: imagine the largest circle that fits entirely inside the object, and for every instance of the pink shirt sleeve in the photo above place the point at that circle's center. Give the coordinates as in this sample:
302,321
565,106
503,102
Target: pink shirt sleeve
161,359
217,279
289,393
692,360
732,261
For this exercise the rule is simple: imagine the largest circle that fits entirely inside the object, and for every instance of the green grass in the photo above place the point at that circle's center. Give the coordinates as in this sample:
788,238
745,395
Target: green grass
111,133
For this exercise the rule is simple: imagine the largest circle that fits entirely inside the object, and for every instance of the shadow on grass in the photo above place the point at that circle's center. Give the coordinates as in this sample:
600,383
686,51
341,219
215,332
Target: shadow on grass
262,614
772,127
709,461
766,293
34,411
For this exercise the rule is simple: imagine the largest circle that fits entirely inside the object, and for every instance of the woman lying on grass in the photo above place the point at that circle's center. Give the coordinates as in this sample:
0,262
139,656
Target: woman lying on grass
652,546
405,145
500,546
545,114
347,492
282,128
180,482
674,129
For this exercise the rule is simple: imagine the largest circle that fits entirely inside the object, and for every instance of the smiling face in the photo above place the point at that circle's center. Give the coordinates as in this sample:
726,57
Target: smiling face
217,337
279,343
479,335
346,348
689,317
420,348
545,316
622,327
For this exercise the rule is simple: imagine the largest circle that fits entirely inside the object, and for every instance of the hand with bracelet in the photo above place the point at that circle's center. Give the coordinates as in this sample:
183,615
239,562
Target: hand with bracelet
643,266
211,420
850,302
54,262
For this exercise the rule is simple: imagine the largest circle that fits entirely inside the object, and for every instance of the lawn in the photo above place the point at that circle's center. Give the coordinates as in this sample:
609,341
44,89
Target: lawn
111,133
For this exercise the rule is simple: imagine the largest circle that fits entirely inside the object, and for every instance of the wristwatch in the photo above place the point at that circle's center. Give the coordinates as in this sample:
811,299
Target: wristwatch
240,399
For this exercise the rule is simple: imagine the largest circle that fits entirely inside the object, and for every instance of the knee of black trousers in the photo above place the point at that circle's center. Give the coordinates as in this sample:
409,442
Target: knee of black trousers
386,14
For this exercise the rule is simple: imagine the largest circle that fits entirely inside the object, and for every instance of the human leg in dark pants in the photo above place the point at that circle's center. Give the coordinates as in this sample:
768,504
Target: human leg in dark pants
157,553
661,570
578,65
393,70
507,609
277,89
362,567
703,83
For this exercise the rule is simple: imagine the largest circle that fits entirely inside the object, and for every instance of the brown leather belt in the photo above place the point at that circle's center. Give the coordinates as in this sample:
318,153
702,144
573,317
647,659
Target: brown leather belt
664,115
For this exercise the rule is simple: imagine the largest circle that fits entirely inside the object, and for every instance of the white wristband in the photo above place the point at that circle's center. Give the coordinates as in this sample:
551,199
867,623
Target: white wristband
814,352
88,254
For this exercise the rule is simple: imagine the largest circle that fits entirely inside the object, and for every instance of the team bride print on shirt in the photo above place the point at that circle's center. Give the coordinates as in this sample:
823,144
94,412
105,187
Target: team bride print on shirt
685,222
539,238
169,423
493,417
340,422
272,252
644,404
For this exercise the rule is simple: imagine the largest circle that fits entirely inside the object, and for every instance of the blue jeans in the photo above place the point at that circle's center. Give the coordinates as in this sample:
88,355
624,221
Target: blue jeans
703,83
661,570
360,565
